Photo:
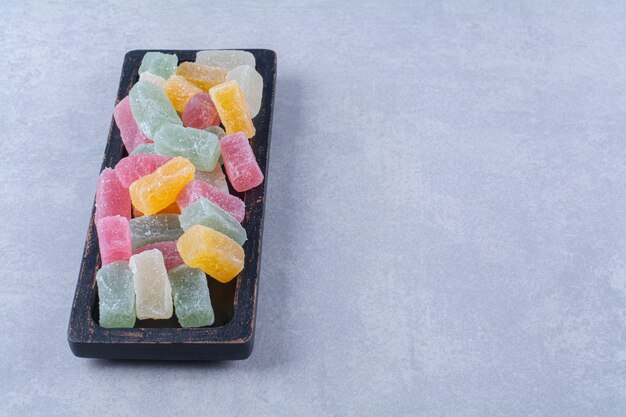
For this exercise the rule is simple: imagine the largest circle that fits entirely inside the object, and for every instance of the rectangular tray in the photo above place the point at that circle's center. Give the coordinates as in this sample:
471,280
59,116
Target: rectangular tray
232,336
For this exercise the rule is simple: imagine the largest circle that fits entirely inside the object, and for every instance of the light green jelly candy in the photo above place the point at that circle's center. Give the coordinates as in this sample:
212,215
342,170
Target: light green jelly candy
202,148
145,230
144,148
157,63
151,108
192,302
116,295
206,213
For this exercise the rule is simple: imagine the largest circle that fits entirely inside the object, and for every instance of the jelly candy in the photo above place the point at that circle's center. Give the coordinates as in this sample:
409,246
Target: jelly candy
154,79
114,239
154,192
192,301
131,134
133,167
232,108
200,147
180,91
112,198
216,178
152,287
116,295
160,64
241,167
171,257
146,230
151,108
227,59
171,209
206,213
200,112
202,76
251,83
144,149
197,189
213,252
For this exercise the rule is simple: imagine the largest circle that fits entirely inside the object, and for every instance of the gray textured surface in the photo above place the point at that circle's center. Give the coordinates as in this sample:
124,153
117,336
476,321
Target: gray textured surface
446,226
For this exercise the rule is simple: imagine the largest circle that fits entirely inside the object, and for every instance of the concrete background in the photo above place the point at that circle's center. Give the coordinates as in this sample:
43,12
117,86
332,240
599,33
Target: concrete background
445,230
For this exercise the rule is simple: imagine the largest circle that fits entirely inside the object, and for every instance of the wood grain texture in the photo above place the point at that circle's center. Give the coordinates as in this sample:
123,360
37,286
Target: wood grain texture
232,336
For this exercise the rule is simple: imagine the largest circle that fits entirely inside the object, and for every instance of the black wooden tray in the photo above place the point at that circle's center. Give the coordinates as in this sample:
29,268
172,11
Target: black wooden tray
232,335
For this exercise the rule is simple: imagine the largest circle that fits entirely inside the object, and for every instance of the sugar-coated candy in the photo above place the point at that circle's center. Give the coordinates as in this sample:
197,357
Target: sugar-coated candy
251,83
154,79
212,251
171,257
203,76
180,91
216,130
171,209
200,147
114,239
200,112
241,166
197,189
206,213
112,198
153,291
227,59
116,295
160,64
133,167
232,108
192,301
154,192
131,134
216,178
144,149
151,108
146,230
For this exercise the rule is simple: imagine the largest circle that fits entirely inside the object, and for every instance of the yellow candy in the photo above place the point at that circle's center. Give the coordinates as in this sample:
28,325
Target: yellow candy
154,192
232,108
171,209
203,76
180,91
211,251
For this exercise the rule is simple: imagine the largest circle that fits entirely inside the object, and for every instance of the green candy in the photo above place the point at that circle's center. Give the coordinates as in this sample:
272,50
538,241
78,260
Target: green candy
192,301
116,294
145,230
157,63
144,148
206,213
151,108
216,130
202,148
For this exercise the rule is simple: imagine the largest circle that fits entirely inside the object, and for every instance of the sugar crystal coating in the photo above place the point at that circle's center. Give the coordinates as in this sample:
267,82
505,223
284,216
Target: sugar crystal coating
154,79
171,209
200,112
144,149
212,251
153,292
131,134
215,178
232,108
251,83
180,91
241,166
192,301
151,108
116,295
206,213
112,198
171,257
133,167
160,64
202,76
197,189
227,59
114,239
200,147
146,230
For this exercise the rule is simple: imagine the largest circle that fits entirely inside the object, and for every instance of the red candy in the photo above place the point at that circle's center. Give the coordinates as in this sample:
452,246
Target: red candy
168,249
199,189
200,112
112,198
133,167
114,239
132,136
241,167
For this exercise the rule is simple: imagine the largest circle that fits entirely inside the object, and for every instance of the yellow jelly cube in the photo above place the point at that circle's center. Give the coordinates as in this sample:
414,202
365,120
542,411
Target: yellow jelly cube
180,91
203,76
154,192
171,209
232,108
211,251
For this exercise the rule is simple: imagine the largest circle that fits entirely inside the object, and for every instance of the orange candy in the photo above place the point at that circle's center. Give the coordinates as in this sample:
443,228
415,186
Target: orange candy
232,108
203,76
180,91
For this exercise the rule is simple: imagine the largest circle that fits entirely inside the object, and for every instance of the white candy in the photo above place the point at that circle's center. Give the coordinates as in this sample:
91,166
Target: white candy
225,59
152,287
154,79
251,83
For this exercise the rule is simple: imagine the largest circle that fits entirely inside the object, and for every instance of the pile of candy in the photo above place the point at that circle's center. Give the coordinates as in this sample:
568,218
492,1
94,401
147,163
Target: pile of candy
164,215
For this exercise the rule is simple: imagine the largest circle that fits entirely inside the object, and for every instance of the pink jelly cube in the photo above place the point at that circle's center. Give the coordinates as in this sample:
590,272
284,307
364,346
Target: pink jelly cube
197,189
133,167
241,167
112,198
168,249
200,112
114,239
132,136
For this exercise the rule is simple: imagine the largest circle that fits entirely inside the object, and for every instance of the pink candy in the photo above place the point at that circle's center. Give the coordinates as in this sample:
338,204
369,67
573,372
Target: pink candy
168,249
114,239
133,167
240,163
112,198
132,136
197,189
200,112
